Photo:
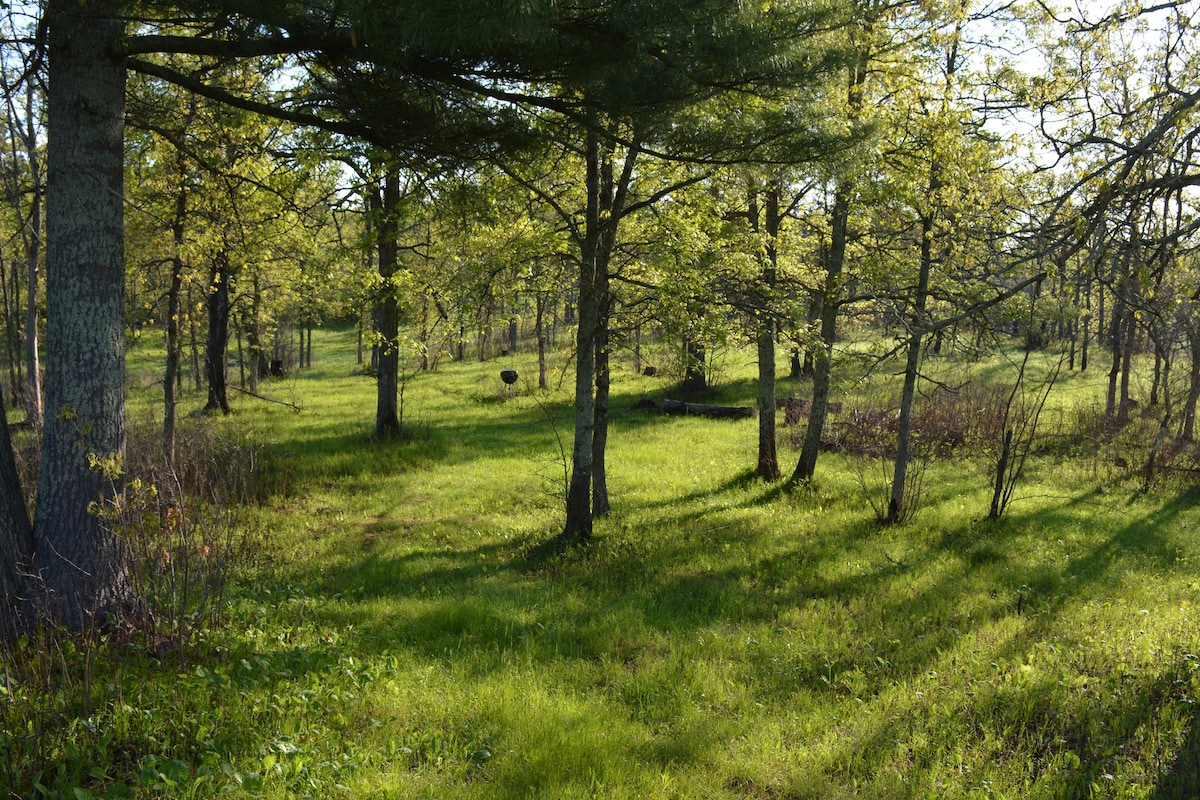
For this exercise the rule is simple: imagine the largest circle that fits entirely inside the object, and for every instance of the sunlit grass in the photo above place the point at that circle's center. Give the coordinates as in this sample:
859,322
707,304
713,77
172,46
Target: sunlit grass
401,634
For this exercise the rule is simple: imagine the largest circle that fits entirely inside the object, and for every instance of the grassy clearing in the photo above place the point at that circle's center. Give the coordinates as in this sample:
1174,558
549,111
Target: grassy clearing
398,635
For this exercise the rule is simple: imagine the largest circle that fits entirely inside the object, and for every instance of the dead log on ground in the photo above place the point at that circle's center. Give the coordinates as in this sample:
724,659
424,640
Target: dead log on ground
700,410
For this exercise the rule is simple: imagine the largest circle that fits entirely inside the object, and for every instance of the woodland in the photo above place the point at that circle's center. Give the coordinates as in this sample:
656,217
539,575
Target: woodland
599,399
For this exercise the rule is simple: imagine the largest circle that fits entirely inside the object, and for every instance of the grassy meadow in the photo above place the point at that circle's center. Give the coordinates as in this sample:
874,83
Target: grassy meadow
394,627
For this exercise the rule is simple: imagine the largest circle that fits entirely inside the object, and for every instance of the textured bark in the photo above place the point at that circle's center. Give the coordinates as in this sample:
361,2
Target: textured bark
600,504
695,379
82,568
578,526
830,304
387,412
767,467
898,505
217,344
174,313
1193,392
606,198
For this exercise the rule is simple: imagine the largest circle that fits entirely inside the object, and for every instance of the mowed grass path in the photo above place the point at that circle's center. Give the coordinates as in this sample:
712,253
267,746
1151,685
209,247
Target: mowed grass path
401,633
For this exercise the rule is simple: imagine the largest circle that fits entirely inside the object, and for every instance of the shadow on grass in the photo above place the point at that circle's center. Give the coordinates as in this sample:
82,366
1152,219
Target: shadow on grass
843,612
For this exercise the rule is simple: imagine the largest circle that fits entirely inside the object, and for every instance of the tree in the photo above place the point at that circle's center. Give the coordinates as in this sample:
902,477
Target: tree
81,567
431,62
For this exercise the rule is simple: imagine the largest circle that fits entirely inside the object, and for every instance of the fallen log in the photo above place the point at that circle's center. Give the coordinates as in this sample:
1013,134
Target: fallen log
700,410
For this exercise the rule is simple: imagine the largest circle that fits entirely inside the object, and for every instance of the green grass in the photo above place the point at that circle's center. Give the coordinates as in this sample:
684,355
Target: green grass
400,634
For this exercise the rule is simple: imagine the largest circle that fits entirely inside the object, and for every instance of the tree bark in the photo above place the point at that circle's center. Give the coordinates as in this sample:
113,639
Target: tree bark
606,197
830,304
898,504
174,313
81,566
695,380
16,532
767,467
600,504
578,528
387,414
540,328
217,344
1193,393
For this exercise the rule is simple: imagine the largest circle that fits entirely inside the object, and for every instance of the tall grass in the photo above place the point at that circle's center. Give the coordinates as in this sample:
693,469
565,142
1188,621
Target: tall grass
399,633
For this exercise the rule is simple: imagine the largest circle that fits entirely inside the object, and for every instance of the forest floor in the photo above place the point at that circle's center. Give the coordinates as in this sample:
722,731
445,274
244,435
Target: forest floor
394,627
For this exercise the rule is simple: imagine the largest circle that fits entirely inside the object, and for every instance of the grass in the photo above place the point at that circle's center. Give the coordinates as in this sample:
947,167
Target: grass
398,633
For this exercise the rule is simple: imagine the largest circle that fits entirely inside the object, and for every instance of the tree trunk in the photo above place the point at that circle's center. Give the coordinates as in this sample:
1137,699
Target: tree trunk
387,413
16,532
82,567
194,339
767,467
1124,402
606,197
33,240
695,380
637,348
11,330
174,345
217,344
600,505
1193,394
830,305
898,504
1086,327
578,526
359,351
254,345
996,508
1114,372
541,341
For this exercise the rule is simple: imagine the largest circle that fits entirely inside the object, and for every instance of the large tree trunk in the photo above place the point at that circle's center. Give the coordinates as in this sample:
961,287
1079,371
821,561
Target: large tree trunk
578,526
217,344
387,412
82,567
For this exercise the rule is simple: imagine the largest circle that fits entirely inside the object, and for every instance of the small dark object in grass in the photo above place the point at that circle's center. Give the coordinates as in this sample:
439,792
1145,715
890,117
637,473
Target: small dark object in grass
650,372
647,404
509,376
